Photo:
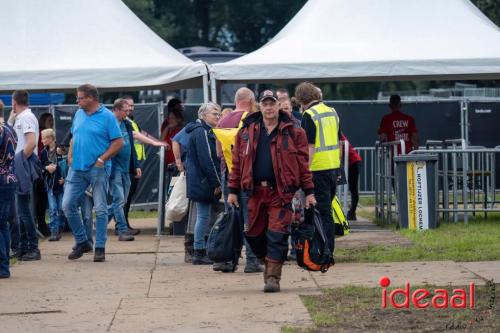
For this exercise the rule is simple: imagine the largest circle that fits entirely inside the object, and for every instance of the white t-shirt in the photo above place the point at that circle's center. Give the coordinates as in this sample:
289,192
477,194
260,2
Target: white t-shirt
26,122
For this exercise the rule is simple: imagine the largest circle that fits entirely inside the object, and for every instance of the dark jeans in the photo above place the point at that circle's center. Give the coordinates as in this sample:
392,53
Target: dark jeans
29,237
325,185
353,185
14,228
7,193
133,188
41,203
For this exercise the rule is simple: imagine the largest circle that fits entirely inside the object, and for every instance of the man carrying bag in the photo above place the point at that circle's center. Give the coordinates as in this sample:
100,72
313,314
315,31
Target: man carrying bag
270,163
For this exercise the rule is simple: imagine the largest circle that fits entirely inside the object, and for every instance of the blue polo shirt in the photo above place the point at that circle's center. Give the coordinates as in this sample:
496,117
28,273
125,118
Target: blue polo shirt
92,136
121,161
182,138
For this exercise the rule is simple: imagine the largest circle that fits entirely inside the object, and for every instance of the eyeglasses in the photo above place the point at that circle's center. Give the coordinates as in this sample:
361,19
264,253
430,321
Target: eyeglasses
216,114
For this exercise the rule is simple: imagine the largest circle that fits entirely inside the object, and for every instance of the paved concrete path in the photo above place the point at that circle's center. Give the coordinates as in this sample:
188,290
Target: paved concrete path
144,286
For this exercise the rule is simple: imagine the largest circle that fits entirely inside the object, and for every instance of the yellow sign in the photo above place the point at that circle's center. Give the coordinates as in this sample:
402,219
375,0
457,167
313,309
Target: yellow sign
411,189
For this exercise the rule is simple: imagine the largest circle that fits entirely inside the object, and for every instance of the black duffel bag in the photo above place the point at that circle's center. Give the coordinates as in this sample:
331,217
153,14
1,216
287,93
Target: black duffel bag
310,243
225,239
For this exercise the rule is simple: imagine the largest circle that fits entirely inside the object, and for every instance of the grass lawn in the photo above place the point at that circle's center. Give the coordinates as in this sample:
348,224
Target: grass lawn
140,214
358,309
479,240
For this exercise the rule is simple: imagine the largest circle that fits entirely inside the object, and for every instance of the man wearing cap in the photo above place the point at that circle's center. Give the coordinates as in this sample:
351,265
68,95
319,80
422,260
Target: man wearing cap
270,163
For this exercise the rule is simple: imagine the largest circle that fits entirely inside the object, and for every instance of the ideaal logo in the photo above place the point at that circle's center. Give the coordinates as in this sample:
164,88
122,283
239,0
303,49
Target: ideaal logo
459,299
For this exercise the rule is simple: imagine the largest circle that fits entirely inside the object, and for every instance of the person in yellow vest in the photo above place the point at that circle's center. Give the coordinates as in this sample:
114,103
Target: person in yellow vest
139,140
322,127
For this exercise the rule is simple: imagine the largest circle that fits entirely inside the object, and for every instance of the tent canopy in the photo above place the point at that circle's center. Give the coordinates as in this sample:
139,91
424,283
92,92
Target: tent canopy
375,40
60,44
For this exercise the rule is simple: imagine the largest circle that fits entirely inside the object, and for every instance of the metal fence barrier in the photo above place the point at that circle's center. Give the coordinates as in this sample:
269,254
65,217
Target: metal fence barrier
466,178
385,200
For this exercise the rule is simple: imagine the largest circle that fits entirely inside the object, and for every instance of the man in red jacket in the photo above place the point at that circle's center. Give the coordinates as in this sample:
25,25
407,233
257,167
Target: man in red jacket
270,163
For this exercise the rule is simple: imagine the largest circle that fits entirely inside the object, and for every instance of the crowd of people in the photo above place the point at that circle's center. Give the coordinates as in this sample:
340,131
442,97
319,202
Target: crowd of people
284,150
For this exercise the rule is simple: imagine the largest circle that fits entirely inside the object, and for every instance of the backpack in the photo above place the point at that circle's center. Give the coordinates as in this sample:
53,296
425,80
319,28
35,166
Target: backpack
225,239
227,138
310,243
339,219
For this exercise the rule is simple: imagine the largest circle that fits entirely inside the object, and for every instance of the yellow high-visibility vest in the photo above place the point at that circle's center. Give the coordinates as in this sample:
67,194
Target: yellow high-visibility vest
227,138
326,146
139,147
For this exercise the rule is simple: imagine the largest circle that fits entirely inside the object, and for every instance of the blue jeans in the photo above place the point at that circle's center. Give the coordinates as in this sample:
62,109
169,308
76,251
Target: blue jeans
243,201
7,194
77,182
56,214
120,186
86,205
202,220
29,238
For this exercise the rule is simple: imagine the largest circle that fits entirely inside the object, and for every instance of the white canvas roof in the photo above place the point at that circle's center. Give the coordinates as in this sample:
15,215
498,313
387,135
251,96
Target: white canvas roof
60,44
372,40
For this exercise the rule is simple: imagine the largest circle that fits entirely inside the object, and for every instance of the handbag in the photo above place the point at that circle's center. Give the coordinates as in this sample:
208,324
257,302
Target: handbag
225,240
311,243
178,203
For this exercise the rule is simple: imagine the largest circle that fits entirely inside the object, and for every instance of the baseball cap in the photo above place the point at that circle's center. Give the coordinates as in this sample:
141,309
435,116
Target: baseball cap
268,94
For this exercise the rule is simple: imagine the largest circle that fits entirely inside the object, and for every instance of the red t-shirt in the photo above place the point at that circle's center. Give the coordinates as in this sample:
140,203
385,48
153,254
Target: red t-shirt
169,154
398,126
353,154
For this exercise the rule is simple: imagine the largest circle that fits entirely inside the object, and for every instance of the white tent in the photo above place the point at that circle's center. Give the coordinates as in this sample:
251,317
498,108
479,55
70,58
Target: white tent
374,40
60,44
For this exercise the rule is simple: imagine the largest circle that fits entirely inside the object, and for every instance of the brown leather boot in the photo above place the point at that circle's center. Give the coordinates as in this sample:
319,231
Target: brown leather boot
273,270
265,271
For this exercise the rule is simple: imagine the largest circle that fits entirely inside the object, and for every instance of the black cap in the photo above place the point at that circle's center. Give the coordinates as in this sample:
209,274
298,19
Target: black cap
268,94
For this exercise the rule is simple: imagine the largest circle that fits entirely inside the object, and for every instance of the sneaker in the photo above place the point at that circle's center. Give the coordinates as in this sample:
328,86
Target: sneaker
351,216
99,254
79,250
17,253
125,237
134,231
32,255
253,266
224,267
5,275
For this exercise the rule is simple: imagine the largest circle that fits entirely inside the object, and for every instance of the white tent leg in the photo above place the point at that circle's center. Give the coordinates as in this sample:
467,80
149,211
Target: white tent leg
206,97
213,88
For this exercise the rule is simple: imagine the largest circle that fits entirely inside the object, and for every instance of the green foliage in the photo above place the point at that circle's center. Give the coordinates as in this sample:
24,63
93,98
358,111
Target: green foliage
230,25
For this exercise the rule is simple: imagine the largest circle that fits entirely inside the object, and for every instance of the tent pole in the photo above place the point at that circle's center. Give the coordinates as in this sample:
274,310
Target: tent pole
206,97
213,88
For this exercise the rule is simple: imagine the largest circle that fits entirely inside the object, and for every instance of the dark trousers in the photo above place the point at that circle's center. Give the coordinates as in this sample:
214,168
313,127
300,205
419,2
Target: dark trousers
41,203
29,237
6,199
353,185
325,185
14,228
133,188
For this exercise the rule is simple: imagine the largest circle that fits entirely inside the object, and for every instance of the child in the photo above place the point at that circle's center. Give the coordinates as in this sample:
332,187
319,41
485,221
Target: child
54,172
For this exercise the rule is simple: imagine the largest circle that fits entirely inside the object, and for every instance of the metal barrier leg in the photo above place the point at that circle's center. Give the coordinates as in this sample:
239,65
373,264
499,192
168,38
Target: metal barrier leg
161,195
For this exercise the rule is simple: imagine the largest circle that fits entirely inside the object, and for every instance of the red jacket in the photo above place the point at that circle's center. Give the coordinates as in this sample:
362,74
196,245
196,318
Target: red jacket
289,153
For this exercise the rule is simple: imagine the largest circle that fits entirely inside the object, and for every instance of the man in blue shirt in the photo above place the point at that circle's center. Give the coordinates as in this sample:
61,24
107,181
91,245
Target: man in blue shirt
96,138
124,165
